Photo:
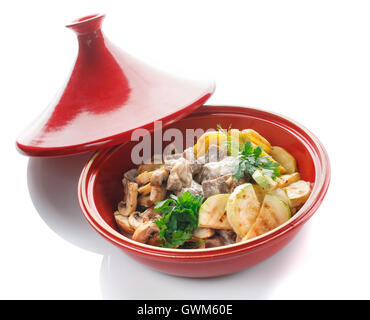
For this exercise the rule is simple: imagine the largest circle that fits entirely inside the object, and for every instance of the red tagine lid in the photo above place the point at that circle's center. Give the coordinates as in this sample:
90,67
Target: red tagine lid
108,95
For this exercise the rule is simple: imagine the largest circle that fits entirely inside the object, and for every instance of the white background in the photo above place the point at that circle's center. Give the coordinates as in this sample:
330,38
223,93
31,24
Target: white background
309,60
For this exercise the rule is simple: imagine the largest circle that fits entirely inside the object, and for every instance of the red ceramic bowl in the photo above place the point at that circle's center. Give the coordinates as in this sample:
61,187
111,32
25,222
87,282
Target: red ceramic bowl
100,190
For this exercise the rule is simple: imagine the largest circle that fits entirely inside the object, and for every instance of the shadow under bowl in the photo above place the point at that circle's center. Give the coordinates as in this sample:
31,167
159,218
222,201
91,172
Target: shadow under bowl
100,189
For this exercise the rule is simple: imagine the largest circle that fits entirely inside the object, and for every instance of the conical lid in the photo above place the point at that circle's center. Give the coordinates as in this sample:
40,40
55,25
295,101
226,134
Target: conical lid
108,95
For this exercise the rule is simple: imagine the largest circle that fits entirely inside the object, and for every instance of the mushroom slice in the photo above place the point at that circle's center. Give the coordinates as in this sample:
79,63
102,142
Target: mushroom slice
123,223
145,232
203,233
212,213
128,206
144,178
157,193
144,190
215,241
159,176
149,167
144,201
137,218
228,236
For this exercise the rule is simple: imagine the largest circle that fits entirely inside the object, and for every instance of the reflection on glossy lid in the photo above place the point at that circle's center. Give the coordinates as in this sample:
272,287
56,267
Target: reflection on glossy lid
107,96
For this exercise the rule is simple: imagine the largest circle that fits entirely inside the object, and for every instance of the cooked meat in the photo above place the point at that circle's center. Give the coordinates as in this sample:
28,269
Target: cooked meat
159,176
170,160
195,189
213,170
216,186
196,165
131,175
180,175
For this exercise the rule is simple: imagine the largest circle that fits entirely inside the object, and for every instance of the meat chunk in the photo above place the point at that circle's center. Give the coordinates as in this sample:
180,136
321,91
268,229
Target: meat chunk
195,189
180,175
216,186
195,164
213,170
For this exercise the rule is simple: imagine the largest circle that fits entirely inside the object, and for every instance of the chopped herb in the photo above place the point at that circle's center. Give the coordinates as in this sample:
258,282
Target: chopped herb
179,218
249,160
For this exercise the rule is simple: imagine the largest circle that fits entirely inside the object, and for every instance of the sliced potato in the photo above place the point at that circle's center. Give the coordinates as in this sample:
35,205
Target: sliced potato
253,136
212,213
260,192
280,193
287,179
266,182
298,193
242,208
123,223
284,158
208,138
273,213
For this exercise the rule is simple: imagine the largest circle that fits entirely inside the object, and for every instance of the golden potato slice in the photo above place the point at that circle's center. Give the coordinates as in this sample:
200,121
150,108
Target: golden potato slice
298,193
273,213
242,209
254,137
287,179
284,158
212,213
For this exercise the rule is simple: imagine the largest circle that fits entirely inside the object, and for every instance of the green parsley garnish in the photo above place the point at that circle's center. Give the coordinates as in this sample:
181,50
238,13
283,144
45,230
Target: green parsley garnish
179,218
249,160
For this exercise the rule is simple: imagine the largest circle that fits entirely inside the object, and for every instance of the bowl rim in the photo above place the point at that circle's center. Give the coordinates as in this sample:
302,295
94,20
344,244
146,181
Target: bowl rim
320,187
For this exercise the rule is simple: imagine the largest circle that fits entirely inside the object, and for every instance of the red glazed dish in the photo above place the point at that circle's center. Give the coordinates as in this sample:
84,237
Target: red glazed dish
100,190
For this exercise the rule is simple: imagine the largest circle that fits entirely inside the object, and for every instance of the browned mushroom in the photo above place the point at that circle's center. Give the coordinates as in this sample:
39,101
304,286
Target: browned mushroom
149,167
143,178
129,204
123,223
215,241
159,176
144,190
157,193
228,236
145,232
137,218
203,233
144,201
